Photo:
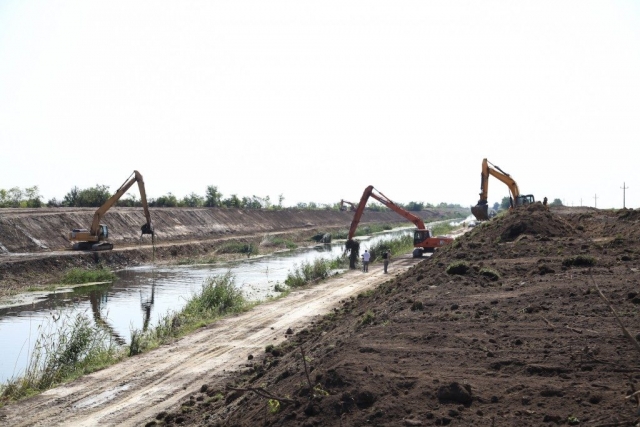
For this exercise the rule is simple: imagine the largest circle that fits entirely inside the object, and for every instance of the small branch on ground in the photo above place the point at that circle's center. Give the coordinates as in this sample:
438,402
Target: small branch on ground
624,330
548,323
263,393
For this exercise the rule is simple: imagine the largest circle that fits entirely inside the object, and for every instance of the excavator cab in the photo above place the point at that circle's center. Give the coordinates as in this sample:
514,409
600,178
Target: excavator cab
525,200
420,236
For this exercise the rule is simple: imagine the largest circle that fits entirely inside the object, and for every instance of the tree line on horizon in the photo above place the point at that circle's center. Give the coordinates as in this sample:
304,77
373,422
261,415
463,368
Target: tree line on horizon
96,196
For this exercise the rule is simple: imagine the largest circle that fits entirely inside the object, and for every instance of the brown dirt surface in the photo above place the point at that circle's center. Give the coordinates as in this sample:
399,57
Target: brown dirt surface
519,337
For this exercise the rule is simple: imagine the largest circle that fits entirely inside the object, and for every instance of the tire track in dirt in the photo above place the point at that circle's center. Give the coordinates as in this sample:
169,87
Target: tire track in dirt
135,390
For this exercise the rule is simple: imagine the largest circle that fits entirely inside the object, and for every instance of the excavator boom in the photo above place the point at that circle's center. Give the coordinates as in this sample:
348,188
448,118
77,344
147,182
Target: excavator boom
481,210
90,239
422,239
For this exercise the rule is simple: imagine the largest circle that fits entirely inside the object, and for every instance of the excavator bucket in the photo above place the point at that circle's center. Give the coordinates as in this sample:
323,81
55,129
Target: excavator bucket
481,211
147,229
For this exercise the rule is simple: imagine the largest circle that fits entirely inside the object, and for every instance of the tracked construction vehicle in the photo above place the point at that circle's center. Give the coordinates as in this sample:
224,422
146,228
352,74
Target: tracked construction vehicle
95,238
422,239
481,210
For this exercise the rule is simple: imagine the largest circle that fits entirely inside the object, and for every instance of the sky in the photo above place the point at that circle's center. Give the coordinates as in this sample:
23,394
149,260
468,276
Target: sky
317,100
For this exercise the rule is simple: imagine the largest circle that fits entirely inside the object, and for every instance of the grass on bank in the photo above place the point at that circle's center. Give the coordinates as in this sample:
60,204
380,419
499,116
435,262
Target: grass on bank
218,296
77,276
73,346
67,348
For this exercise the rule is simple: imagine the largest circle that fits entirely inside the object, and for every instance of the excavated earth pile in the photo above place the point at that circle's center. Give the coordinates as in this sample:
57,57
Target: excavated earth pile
505,327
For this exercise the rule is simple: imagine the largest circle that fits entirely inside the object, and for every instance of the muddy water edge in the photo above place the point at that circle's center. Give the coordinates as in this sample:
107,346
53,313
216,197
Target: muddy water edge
142,295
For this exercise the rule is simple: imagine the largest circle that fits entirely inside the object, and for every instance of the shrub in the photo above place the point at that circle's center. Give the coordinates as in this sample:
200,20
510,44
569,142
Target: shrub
459,267
491,274
307,272
368,318
239,248
579,261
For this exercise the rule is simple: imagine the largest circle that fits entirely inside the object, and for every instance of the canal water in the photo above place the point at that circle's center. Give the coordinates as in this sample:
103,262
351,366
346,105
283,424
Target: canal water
142,295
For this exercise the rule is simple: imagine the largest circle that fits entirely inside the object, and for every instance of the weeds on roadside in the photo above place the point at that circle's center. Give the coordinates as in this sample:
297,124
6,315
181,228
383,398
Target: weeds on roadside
65,349
396,246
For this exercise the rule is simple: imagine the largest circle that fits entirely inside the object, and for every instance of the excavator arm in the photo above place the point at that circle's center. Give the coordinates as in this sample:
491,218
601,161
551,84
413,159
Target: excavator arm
93,238
481,210
422,240
102,210
372,192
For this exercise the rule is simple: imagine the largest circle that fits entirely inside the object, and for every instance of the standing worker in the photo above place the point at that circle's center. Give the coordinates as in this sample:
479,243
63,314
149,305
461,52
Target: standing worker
365,261
386,257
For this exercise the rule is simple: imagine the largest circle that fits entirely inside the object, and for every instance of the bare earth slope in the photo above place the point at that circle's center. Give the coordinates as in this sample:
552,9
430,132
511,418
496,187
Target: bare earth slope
135,390
518,336
43,230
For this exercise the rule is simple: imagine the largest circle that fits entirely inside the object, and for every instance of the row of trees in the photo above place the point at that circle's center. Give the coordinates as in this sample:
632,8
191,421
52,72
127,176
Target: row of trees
96,196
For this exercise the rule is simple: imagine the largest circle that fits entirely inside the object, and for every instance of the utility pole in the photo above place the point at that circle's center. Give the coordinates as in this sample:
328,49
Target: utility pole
624,188
595,197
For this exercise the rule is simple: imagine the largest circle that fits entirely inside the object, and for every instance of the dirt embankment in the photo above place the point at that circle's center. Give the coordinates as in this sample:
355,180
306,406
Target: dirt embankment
34,248
517,334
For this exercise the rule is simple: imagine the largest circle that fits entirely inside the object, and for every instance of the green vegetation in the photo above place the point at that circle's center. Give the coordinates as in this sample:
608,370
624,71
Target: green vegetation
239,248
71,348
399,245
272,241
308,271
368,318
579,261
458,267
77,276
217,297
17,198
490,273
441,228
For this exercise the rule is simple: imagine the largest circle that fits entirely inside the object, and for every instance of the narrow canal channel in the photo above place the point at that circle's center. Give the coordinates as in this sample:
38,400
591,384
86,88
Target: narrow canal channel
142,295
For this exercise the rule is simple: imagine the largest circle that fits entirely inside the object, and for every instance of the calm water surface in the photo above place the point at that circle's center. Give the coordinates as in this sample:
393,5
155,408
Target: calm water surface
142,295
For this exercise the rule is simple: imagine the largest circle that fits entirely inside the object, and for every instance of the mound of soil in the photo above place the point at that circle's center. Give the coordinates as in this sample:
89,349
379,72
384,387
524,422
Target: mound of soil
534,220
531,344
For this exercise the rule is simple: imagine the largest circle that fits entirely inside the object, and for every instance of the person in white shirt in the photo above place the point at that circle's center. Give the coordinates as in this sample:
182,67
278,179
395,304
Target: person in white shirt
365,261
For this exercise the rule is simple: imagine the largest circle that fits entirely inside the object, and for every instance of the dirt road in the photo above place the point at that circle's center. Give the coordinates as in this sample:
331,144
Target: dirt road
134,391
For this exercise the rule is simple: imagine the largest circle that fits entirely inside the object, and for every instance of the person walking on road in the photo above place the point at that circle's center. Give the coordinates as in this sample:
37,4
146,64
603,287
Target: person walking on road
386,257
365,261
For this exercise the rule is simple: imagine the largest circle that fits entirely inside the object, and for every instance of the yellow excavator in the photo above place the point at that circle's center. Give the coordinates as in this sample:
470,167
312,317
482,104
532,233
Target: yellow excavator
481,210
94,239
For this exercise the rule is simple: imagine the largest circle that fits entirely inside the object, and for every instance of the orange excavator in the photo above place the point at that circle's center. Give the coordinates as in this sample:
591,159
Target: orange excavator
422,239
94,239
481,210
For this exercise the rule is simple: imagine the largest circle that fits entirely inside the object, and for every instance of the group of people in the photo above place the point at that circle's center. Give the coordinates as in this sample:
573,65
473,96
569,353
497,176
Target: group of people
366,257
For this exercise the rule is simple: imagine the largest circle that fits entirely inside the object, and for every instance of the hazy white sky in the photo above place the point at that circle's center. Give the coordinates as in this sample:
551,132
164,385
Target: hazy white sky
317,100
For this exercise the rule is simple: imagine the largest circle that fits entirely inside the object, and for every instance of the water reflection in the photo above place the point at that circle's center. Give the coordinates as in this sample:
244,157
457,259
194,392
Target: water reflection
142,295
